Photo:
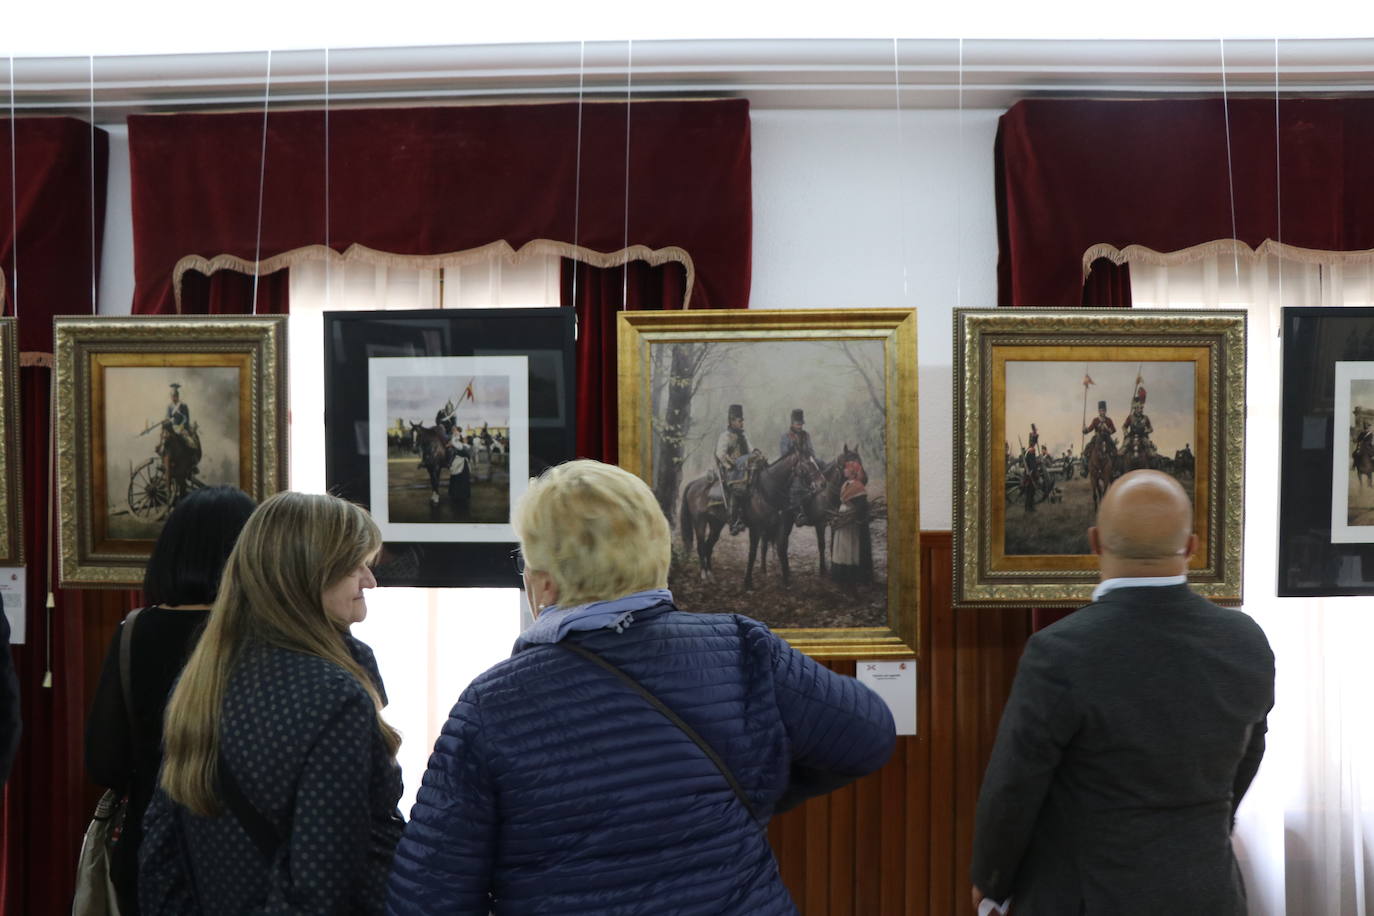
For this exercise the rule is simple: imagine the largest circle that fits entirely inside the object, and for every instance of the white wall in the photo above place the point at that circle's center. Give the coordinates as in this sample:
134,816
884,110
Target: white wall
851,209
880,210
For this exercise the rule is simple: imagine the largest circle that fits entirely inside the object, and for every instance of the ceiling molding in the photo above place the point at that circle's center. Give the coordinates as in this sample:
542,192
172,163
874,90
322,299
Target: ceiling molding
839,73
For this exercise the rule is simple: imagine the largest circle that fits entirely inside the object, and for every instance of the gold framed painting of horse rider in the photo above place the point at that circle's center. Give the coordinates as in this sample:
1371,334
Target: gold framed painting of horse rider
11,481
790,437
1053,405
149,409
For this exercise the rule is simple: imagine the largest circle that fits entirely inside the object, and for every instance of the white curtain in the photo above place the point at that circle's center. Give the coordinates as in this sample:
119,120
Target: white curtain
429,642
1305,832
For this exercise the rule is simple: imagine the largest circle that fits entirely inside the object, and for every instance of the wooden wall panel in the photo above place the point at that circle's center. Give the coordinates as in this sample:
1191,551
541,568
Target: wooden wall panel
899,841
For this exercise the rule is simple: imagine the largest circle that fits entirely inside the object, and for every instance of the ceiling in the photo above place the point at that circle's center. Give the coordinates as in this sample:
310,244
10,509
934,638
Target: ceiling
775,74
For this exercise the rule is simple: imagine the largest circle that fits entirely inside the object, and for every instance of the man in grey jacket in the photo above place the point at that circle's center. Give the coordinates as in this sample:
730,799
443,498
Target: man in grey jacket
1133,729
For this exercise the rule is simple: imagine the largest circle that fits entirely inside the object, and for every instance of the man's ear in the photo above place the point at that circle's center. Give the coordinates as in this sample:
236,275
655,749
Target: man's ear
1094,541
1191,547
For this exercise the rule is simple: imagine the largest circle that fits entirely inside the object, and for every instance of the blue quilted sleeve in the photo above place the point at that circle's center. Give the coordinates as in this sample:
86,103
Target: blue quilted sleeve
445,858
839,729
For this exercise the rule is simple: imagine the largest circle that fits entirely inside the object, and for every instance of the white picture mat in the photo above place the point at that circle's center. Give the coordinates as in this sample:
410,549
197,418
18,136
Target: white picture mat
379,370
1342,471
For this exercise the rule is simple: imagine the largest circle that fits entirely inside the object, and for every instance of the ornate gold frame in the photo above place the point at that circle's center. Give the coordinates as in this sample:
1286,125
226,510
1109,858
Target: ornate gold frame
84,346
1213,340
896,328
11,476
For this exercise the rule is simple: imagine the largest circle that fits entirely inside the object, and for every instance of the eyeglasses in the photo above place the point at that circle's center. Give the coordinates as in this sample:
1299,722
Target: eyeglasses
518,559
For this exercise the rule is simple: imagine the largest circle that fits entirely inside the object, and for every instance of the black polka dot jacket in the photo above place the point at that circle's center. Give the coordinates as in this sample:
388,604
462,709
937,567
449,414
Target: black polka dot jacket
300,736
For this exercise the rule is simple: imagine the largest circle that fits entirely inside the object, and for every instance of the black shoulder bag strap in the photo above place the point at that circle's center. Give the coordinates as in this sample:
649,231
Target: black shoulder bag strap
259,829
672,717
126,690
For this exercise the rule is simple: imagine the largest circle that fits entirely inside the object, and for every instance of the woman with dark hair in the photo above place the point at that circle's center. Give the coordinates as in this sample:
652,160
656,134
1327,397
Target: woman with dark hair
124,747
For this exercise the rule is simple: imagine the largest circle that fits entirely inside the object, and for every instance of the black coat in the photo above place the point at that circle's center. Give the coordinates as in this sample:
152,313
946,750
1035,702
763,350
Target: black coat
1133,729
161,642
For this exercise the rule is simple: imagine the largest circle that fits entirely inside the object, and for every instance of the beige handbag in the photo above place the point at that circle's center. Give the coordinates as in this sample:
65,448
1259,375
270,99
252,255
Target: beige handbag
95,892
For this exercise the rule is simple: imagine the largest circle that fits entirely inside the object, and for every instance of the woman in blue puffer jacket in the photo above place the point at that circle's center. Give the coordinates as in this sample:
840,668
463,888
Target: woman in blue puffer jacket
557,787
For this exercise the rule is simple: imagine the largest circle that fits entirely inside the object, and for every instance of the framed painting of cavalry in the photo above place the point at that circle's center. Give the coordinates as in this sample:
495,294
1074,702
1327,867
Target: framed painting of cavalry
1051,406
436,420
782,447
148,410
11,481
1326,484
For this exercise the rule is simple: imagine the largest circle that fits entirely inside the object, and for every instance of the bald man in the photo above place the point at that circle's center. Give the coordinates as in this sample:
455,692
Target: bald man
1133,729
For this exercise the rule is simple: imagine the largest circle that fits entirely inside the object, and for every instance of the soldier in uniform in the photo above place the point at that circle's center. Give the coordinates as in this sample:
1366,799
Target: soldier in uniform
179,417
1032,460
1102,428
1138,427
797,439
732,461
449,431
1364,435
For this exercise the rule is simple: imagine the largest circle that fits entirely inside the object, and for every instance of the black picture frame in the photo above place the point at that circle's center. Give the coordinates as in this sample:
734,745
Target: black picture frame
1323,550
361,347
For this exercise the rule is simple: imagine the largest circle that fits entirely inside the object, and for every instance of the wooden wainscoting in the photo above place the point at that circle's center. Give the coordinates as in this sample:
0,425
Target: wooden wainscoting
900,840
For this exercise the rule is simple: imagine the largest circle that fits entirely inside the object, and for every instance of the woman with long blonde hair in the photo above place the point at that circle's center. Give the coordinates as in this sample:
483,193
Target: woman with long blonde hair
279,783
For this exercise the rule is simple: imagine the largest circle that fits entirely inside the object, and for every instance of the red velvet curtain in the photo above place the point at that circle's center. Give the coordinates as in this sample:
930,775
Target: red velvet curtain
228,292
434,180
598,294
1071,174
60,175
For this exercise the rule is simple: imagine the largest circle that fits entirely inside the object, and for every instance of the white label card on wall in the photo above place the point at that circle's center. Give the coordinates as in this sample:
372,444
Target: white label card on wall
12,581
895,681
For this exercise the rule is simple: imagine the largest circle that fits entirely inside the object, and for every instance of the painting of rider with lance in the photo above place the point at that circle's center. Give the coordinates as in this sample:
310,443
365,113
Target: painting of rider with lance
1145,416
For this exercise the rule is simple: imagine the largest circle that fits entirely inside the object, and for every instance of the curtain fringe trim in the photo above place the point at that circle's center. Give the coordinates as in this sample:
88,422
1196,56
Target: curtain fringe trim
1220,247
500,249
35,358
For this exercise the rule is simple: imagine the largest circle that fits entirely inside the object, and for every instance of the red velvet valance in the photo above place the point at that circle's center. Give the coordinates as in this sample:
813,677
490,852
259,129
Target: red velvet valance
1071,174
60,174
443,179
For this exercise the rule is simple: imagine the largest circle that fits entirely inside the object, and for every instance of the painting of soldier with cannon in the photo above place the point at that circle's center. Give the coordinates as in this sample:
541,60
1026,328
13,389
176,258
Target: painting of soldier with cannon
168,431
148,409
1053,405
449,445
1117,416
771,461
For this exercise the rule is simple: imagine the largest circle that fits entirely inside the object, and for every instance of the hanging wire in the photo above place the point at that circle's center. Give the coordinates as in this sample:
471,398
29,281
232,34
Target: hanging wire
1278,185
93,252
329,252
262,178
577,168
1230,173
14,199
629,88
959,198
901,158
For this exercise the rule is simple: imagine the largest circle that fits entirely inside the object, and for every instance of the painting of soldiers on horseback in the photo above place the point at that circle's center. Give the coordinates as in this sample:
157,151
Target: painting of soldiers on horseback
447,429
1118,416
1054,405
1352,478
770,462
167,431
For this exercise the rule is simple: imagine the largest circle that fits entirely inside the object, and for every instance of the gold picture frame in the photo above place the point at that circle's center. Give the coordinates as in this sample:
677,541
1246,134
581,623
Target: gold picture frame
11,476
851,374
1020,540
130,442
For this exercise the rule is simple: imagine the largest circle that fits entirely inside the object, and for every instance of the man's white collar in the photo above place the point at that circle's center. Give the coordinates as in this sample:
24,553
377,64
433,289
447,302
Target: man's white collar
1108,585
